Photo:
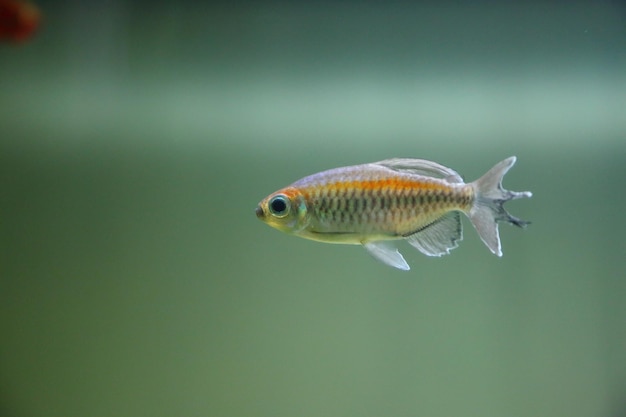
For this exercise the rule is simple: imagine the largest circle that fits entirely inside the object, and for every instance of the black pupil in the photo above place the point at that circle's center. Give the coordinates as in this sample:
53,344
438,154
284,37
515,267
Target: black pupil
278,205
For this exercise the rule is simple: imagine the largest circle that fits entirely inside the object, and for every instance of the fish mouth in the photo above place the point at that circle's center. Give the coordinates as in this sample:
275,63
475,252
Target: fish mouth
259,212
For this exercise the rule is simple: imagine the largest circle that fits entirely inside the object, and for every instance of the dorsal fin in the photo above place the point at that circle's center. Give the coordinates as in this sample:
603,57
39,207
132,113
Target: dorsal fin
421,167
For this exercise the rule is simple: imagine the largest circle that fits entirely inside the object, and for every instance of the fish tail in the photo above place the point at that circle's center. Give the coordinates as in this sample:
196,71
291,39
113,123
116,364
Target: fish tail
488,208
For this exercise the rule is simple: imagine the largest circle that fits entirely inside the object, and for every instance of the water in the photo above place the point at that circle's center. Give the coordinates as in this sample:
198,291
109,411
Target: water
135,278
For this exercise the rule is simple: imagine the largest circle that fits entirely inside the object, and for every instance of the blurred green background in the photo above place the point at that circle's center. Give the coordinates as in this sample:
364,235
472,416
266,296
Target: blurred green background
137,138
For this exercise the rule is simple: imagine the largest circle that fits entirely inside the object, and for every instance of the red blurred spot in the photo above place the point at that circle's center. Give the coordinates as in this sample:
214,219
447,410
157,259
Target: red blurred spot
18,20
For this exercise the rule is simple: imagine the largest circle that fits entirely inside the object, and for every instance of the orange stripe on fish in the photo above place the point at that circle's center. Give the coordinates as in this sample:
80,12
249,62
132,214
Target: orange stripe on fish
390,183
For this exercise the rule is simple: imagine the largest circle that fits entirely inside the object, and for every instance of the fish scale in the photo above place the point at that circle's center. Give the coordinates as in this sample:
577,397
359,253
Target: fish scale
349,204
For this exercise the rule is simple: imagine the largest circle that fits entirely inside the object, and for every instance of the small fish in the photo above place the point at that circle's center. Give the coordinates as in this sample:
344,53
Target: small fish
396,199
19,19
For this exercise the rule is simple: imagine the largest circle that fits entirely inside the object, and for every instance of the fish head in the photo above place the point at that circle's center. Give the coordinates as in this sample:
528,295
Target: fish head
284,210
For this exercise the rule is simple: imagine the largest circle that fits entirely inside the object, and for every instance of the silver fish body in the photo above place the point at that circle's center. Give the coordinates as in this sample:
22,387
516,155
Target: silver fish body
374,204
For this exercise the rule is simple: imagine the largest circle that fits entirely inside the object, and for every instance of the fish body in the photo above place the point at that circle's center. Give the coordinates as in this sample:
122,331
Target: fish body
396,199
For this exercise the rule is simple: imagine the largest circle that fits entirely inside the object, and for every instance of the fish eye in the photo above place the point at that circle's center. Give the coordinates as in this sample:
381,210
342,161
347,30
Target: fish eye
279,205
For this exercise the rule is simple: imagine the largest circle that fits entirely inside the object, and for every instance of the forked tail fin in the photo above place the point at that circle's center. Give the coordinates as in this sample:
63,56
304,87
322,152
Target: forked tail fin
488,208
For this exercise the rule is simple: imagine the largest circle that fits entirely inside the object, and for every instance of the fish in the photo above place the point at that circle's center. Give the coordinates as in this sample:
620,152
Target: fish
19,19
376,205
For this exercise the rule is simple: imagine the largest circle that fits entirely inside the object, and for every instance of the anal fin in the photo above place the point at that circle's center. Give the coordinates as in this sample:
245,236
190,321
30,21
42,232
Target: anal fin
439,237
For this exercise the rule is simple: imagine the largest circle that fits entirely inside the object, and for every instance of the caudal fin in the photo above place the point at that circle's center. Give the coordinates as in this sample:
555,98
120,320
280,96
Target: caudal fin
489,201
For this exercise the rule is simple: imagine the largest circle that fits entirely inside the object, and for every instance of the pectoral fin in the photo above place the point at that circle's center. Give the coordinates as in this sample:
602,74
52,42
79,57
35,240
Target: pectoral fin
387,253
